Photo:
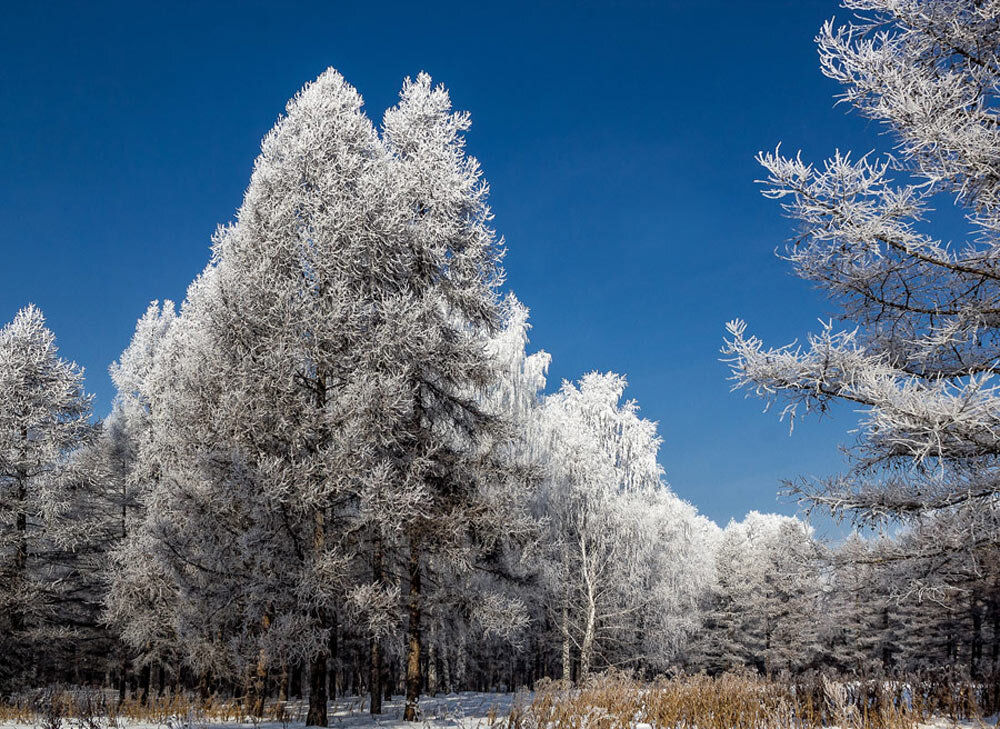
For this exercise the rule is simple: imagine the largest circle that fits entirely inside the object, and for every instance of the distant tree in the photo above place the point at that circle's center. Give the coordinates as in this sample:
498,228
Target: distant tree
858,615
764,613
623,559
920,348
44,415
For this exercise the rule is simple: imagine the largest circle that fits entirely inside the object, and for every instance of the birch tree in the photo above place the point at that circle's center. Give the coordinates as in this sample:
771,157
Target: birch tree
621,563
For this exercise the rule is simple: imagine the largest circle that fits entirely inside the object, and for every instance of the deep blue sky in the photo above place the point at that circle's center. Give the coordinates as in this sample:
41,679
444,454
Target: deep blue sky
618,140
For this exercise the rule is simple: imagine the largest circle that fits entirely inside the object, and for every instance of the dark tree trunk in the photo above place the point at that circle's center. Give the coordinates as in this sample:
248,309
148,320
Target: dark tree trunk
318,671
334,659
123,680
413,675
375,678
317,692
20,551
144,683
976,649
995,653
204,687
260,674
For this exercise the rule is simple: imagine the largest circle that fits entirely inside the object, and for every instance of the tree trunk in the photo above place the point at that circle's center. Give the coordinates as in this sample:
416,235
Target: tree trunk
318,671
446,672
260,686
976,649
375,677
145,680
566,654
260,674
995,653
413,677
123,679
334,658
432,672
317,692
587,645
283,684
567,665
590,626
204,687
20,551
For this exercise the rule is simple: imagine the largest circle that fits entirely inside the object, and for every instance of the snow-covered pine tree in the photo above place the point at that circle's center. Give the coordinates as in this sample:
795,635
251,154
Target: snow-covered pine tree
44,415
858,620
122,488
919,347
441,308
764,612
252,405
322,394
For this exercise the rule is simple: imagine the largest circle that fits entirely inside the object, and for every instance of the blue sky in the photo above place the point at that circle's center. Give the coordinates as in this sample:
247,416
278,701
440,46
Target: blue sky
618,139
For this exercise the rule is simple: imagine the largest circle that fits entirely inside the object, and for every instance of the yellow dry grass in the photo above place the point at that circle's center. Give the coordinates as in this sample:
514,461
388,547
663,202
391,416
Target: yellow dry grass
739,701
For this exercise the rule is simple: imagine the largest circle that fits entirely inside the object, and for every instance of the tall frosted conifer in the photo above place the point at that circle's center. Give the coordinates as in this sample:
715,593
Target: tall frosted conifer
441,310
43,415
321,392
918,348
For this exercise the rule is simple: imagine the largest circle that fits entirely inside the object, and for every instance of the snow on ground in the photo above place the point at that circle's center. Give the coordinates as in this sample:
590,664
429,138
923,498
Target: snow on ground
466,710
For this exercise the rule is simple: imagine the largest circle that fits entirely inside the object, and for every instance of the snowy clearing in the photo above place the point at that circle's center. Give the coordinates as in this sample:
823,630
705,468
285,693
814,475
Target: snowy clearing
467,709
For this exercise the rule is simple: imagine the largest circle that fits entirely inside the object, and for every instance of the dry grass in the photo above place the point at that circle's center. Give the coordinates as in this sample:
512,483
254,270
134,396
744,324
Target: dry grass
96,709
742,701
606,701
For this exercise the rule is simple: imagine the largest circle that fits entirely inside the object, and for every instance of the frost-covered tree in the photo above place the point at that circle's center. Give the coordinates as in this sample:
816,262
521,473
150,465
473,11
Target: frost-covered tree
679,570
44,415
117,481
943,599
764,611
488,606
858,617
918,349
443,308
320,403
625,556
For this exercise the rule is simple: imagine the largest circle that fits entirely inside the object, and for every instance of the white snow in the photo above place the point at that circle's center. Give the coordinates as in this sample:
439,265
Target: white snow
467,710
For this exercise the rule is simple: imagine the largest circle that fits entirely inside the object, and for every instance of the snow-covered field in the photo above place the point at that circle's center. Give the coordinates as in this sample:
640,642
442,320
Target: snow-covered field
467,710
